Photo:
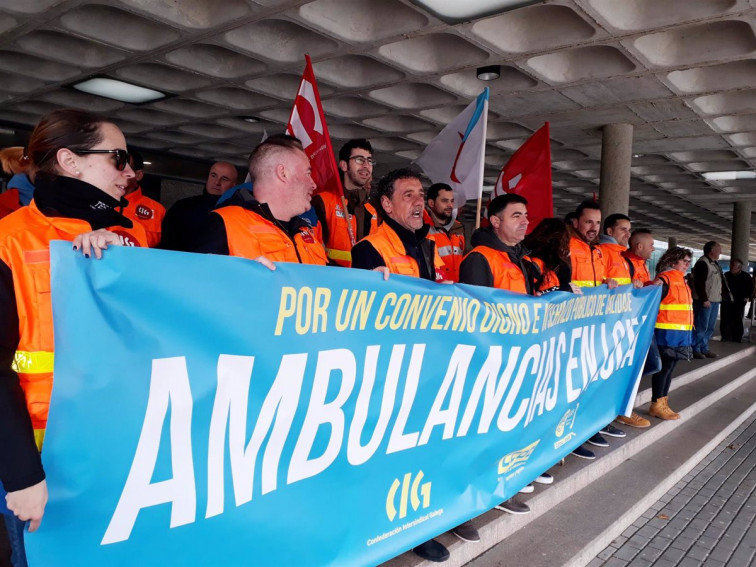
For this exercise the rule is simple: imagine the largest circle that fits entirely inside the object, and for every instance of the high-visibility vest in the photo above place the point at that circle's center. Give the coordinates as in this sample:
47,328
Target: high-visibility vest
506,274
251,235
391,248
450,247
25,237
147,212
639,271
339,245
674,324
615,265
588,268
550,280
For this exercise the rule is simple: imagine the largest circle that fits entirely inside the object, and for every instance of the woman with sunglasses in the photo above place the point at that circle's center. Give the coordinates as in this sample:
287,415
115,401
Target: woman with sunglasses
674,326
82,173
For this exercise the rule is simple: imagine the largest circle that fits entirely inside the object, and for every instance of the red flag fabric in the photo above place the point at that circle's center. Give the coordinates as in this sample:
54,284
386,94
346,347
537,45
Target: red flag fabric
528,173
307,122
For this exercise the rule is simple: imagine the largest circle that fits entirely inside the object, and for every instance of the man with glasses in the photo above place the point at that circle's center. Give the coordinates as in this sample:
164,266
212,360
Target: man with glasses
339,233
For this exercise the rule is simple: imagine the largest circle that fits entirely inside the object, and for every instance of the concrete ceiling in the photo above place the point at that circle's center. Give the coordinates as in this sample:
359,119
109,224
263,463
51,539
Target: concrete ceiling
683,72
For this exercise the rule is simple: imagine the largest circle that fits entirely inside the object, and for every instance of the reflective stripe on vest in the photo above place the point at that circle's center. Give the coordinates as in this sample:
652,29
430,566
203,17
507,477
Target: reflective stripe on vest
340,255
675,307
34,370
622,281
673,326
30,362
584,283
449,251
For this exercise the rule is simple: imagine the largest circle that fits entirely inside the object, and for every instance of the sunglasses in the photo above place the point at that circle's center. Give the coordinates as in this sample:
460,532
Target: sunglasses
121,156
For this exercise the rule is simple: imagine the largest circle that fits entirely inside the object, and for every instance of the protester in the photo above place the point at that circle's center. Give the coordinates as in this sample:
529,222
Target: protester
709,290
549,245
82,173
640,249
141,208
589,270
401,244
356,170
673,329
263,224
20,186
612,244
741,287
445,229
499,259
184,219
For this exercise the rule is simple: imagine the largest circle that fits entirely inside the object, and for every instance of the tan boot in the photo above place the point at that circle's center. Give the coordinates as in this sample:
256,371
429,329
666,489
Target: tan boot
660,409
669,409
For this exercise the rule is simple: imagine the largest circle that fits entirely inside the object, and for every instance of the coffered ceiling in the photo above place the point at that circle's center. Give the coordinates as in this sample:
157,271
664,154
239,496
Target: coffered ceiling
682,72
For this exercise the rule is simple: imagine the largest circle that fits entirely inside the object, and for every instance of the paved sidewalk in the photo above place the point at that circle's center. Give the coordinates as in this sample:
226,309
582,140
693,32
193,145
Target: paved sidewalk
708,518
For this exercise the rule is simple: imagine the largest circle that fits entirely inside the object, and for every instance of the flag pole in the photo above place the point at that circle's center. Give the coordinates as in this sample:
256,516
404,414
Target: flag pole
332,156
482,162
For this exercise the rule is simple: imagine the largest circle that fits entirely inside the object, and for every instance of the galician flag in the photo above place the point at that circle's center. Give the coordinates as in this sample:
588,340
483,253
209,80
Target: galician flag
456,155
528,173
307,122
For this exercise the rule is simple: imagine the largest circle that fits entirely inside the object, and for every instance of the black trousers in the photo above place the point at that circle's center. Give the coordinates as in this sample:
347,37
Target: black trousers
661,380
731,322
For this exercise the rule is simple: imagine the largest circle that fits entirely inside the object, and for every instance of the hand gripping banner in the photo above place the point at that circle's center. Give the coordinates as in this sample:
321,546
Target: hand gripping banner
209,411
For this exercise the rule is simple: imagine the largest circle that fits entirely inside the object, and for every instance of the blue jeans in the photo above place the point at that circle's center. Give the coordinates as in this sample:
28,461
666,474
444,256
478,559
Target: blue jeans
704,319
15,529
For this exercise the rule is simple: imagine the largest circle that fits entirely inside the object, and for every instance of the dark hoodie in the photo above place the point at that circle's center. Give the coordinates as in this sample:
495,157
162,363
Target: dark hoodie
475,269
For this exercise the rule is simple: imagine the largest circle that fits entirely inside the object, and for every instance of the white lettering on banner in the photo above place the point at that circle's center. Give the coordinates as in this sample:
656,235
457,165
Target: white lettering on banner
230,410
169,385
497,392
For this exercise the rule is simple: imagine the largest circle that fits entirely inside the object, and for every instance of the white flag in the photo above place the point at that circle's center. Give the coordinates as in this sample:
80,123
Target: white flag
456,156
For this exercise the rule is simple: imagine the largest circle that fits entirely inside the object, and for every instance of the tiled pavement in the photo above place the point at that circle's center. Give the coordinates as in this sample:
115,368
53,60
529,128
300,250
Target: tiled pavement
708,518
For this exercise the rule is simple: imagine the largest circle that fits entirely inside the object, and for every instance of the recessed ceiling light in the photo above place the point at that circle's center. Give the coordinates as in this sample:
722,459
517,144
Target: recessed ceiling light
638,155
251,119
469,9
147,163
489,72
728,175
118,90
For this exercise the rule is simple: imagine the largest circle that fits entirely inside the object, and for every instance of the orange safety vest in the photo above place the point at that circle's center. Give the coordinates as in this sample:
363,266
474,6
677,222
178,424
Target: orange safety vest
640,270
675,320
147,212
25,249
391,248
251,235
588,268
550,279
339,245
450,247
614,263
506,274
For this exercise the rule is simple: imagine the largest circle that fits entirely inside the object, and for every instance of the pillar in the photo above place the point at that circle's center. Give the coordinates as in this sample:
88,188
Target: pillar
741,231
672,241
616,155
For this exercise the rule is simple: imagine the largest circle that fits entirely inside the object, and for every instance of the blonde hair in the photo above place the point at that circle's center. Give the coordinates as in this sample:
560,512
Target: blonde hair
14,160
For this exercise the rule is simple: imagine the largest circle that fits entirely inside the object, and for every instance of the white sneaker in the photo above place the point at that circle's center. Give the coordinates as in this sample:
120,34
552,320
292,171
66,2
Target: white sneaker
527,489
544,478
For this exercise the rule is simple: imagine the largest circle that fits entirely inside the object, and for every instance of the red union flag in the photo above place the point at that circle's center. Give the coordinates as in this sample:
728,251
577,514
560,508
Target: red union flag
307,123
528,173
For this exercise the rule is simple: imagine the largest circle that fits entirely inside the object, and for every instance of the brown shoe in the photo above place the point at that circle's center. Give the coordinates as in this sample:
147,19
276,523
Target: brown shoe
633,421
699,355
660,409
709,354
669,409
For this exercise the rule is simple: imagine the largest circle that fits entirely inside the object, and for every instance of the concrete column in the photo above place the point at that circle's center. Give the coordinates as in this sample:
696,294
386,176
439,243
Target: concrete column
616,155
672,242
741,230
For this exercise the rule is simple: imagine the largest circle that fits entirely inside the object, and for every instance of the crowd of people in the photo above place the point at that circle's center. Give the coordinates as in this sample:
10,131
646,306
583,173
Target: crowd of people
77,180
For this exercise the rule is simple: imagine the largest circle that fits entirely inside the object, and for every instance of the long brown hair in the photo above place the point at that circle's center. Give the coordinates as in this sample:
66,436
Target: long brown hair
672,257
549,242
67,128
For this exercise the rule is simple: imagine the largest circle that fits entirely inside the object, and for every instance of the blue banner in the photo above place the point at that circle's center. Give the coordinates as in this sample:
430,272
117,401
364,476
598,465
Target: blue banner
208,411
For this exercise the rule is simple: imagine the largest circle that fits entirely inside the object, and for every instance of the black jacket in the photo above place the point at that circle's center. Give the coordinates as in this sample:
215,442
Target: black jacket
475,269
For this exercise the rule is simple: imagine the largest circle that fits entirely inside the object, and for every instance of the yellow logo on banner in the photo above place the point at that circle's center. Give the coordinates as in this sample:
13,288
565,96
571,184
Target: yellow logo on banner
567,421
411,492
517,458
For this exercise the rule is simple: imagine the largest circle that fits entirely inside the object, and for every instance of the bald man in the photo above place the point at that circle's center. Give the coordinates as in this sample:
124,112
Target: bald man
185,217
263,223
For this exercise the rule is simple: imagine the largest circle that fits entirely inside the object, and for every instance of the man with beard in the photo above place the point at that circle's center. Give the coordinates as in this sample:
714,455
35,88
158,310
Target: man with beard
588,270
445,229
263,224
339,233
